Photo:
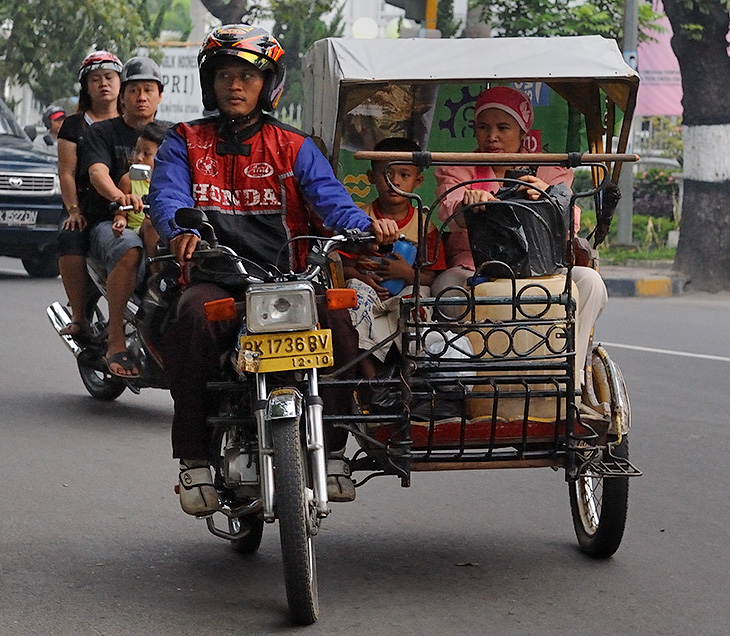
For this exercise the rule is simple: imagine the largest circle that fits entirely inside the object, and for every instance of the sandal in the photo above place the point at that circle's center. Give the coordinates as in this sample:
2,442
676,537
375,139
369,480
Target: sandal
75,329
125,360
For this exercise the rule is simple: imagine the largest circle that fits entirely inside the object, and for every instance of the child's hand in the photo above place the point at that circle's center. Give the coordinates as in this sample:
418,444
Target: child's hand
120,222
395,266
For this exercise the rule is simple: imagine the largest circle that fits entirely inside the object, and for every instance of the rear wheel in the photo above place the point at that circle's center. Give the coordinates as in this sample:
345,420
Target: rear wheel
297,520
93,370
41,264
599,506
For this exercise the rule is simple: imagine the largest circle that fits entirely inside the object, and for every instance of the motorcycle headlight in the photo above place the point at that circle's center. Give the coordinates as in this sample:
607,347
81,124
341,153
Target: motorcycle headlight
280,307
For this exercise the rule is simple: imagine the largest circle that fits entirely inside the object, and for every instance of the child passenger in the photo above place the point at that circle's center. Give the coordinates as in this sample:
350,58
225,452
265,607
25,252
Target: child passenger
149,140
380,282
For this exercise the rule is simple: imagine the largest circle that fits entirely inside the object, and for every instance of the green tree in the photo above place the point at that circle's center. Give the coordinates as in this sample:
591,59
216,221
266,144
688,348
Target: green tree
445,19
44,41
513,18
298,24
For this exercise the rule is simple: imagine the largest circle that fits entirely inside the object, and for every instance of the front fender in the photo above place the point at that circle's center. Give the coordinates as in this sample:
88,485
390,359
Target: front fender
284,403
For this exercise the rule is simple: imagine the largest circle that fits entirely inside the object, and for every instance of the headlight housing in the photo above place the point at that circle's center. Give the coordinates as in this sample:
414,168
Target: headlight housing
272,307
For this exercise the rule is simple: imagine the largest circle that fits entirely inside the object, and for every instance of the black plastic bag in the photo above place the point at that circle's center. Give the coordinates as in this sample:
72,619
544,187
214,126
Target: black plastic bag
529,236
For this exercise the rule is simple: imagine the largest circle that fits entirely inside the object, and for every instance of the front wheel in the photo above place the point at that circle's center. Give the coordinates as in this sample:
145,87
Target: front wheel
599,506
297,520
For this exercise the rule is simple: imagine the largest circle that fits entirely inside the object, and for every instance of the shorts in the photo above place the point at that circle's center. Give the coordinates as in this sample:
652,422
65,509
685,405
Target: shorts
108,248
72,242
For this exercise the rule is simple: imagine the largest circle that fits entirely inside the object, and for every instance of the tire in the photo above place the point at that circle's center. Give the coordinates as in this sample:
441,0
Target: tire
100,384
599,506
251,542
296,521
42,264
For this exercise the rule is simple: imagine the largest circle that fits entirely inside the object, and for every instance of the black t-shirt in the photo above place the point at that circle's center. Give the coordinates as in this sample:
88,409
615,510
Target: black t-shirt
74,130
110,142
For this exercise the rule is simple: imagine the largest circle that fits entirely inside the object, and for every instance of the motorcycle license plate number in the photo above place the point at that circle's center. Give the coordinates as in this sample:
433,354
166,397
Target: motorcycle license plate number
291,351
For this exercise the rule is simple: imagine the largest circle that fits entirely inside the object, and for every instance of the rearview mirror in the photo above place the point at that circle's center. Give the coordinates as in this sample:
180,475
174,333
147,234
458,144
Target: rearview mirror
139,172
31,132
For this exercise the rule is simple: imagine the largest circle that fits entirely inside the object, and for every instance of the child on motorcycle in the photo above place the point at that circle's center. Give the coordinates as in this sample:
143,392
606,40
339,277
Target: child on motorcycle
381,282
149,140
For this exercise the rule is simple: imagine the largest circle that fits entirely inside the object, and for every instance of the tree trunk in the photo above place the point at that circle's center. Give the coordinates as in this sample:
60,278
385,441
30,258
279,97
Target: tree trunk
703,253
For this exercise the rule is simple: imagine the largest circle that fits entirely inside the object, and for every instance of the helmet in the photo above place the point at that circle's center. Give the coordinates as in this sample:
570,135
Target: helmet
52,113
98,60
251,44
141,69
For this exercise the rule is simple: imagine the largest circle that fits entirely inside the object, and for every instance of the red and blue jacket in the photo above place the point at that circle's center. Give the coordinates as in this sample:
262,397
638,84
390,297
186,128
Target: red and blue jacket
259,188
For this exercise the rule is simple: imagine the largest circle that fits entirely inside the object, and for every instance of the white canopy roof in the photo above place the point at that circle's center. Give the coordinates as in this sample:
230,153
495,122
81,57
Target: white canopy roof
335,62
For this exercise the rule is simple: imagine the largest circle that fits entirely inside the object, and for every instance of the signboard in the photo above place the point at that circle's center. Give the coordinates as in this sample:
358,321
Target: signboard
181,99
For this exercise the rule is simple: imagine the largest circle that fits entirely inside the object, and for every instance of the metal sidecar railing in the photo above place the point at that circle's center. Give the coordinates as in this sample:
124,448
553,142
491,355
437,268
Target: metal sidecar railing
487,379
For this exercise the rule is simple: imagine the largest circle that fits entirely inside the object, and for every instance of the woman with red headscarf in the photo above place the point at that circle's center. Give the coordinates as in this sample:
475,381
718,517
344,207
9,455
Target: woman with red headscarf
503,118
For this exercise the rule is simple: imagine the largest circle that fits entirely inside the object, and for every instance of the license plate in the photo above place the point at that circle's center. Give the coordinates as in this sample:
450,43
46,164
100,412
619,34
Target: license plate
291,351
19,218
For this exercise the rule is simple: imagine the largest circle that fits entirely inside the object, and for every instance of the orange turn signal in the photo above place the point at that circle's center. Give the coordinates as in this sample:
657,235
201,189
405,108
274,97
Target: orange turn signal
341,298
223,309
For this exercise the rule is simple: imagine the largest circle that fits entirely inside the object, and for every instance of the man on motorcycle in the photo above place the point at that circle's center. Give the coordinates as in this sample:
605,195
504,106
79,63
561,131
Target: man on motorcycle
105,156
257,180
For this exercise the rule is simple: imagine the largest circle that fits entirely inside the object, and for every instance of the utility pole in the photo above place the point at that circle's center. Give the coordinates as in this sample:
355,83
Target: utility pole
625,209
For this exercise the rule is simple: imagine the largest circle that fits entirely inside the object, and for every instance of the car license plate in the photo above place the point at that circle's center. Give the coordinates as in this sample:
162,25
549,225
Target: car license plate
19,218
291,351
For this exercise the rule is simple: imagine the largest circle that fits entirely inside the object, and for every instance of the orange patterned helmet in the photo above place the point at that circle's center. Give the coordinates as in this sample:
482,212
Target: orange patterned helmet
252,44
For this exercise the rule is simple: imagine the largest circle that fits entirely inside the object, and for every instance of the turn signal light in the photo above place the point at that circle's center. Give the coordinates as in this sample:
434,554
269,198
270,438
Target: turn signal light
341,298
223,309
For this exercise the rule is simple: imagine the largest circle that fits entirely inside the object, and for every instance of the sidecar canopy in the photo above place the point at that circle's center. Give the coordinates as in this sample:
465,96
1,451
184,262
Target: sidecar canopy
361,91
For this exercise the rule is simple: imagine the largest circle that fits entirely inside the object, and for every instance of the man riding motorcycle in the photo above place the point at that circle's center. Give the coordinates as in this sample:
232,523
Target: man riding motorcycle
258,181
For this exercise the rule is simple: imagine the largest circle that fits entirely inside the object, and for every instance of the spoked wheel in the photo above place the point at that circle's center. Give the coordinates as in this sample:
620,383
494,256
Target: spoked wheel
101,384
599,505
249,543
297,520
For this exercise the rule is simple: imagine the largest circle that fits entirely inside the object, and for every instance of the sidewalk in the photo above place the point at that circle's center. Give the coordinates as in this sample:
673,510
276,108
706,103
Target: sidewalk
652,278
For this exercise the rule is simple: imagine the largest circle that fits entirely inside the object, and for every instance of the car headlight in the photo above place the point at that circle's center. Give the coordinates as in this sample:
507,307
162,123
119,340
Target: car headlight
274,307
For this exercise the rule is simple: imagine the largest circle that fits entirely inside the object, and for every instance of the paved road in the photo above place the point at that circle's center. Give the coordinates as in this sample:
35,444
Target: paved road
92,540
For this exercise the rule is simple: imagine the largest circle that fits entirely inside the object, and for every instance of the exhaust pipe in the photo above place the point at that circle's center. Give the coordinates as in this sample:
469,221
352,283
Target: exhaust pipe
60,318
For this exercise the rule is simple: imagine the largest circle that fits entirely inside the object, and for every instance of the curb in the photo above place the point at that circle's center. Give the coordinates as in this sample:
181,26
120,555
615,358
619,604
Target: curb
647,286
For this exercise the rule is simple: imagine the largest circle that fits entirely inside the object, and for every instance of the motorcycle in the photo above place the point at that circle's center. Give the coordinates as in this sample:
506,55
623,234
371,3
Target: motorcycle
145,318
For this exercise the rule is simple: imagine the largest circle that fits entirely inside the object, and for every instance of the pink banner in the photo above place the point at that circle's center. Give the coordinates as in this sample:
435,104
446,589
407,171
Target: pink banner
660,90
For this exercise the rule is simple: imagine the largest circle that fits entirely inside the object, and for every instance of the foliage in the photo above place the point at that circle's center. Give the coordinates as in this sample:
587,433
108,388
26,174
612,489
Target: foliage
513,18
666,136
48,39
298,24
647,232
445,19
170,15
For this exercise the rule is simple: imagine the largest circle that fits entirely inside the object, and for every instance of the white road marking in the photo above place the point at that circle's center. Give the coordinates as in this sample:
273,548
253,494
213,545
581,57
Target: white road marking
668,352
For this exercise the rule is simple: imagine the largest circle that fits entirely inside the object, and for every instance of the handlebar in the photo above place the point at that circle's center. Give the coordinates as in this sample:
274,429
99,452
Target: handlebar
425,159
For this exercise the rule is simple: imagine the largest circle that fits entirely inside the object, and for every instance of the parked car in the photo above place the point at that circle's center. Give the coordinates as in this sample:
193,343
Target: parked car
30,200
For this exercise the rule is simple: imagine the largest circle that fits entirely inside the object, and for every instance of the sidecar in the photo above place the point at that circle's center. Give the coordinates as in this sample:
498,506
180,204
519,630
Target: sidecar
486,376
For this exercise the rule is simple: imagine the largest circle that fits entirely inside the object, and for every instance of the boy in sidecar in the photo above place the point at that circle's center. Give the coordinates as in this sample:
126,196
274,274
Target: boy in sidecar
381,281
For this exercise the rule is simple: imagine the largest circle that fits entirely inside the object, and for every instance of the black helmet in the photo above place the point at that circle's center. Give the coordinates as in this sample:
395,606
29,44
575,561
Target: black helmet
141,69
99,60
249,43
52,113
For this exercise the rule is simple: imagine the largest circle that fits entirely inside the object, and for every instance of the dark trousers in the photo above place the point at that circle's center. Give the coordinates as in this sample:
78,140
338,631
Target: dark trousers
193,352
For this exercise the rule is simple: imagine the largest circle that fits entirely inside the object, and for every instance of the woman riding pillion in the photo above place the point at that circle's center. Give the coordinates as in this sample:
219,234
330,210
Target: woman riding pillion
257,180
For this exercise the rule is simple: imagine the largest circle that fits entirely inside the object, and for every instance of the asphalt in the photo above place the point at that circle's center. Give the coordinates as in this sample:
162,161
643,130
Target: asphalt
653,279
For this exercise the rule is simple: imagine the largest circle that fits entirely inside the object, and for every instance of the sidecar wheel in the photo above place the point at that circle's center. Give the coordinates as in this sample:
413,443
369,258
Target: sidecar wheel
599,506
297,520
251,542
101,384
